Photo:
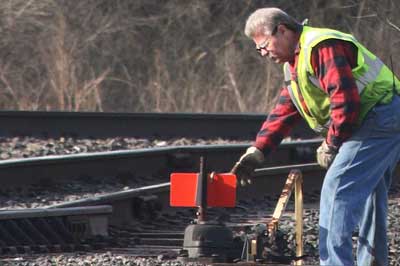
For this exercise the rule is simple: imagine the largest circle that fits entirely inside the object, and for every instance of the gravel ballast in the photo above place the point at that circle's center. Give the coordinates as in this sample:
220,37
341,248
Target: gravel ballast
27,147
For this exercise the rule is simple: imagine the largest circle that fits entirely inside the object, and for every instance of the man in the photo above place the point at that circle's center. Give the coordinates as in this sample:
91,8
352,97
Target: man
350,97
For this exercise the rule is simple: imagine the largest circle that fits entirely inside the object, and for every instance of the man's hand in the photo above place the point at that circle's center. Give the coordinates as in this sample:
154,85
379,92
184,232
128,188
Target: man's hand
249,161
325,155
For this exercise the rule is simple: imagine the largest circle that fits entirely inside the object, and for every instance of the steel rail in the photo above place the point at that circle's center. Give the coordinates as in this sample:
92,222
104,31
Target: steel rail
266,181
141,162
46,212
145,125
269,174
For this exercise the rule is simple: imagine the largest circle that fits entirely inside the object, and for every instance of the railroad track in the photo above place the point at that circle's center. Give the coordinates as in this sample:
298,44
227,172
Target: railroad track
157,125
143,162
129,206
160,232
143,224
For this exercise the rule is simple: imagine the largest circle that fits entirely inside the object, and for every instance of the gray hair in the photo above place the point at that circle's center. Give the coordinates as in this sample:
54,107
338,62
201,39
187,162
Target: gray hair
265,20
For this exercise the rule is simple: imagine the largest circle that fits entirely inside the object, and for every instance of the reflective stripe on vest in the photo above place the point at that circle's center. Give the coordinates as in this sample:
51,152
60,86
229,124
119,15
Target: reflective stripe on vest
375,66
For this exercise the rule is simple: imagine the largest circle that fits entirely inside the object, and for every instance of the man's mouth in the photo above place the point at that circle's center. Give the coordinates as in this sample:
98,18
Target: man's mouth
273,58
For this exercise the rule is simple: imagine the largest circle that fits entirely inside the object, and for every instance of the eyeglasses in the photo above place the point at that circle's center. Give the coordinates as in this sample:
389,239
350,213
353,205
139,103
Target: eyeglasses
265,44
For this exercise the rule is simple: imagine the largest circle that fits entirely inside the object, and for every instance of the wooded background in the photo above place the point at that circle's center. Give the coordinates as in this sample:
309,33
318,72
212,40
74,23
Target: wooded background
161,55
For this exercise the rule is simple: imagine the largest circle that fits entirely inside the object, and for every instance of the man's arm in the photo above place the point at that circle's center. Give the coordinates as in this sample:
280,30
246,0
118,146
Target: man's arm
332,61
278,124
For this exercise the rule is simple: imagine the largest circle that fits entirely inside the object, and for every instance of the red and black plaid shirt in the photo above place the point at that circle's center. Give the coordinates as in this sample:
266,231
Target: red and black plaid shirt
332,61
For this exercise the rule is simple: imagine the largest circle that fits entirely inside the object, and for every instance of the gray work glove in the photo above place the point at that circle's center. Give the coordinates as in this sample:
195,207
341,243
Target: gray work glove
326,154
249,161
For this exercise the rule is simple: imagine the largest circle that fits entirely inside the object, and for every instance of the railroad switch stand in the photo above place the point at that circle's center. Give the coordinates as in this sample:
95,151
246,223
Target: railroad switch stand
213,241
206,240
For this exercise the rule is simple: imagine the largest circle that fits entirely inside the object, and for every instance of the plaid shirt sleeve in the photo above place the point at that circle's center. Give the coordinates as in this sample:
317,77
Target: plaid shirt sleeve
332,61
278,123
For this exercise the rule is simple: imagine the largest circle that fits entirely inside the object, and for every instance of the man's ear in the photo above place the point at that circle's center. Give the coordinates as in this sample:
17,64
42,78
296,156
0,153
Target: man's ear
281,28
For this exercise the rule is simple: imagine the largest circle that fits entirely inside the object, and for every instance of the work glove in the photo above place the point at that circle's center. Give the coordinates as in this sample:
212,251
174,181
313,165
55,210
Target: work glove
326,154
249,161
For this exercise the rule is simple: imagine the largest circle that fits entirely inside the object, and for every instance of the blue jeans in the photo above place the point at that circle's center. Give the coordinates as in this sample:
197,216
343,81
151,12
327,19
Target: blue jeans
355,191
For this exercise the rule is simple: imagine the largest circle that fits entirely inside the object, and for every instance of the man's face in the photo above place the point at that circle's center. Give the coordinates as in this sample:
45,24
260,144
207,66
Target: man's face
277,46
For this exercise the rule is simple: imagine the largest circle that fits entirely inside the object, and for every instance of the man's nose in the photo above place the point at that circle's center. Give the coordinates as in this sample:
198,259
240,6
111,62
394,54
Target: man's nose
264,52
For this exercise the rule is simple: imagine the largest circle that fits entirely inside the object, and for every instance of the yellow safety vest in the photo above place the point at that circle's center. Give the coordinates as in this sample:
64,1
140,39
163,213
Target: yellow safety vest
373,78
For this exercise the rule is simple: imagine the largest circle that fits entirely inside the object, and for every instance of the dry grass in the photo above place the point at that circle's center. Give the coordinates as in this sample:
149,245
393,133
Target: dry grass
170,56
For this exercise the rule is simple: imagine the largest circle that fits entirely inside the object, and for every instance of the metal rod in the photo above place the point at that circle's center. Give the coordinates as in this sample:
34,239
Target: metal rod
202,191
299,216
282,202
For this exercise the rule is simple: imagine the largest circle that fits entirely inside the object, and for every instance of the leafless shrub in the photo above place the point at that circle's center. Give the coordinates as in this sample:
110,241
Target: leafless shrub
164,56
